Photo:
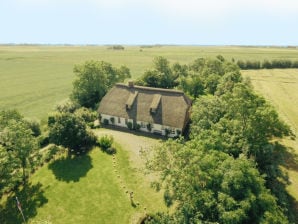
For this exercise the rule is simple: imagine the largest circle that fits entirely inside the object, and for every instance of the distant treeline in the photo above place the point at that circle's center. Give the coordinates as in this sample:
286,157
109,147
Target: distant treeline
266,64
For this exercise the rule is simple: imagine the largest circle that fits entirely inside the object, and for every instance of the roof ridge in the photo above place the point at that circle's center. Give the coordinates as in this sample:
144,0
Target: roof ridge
151,88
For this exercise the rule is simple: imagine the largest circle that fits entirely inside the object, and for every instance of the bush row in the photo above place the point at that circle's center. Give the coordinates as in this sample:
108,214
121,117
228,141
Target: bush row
266,64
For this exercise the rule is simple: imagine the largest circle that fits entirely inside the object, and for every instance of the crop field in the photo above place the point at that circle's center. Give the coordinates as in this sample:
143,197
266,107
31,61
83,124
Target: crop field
280,87
33,79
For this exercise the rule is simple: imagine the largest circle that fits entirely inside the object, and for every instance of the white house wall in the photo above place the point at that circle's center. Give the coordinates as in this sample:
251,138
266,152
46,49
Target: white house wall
155,128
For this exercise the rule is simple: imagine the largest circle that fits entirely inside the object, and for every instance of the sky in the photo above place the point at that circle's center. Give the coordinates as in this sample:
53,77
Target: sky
136,22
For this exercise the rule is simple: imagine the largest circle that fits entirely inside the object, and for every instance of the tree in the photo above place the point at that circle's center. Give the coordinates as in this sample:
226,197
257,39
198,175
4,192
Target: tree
7,115
7,165
93,80
161,75
18,139
70,131
211,186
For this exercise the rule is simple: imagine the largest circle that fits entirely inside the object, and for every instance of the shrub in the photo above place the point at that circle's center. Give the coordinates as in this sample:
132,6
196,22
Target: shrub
67,106
149,127
112,119
86,114
52,150
111,150
129,125
43,139
34,126
167,198
71,132
51,119
105,142
167,131
295,64
178,132
138,126
105,121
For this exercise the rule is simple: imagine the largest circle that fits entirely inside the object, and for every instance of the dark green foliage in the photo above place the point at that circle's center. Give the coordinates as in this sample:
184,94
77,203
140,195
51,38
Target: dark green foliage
116,47
112,119
67,106
167,131
280,63
137,127
111,150
18,149
71,132
295,64
94,78
160,76
51,151
17,138
168,198
149,127
266,64
221,174
211,186
34,125
105,142
86,114
129,125
43,139
7,165
105,121
51,119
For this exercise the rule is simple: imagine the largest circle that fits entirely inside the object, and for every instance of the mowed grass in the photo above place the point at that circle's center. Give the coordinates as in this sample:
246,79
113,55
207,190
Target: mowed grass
33,79
280,88
86,189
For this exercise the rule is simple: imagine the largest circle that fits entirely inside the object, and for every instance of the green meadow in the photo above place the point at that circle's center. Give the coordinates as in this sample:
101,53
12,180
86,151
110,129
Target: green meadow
33,79
87,189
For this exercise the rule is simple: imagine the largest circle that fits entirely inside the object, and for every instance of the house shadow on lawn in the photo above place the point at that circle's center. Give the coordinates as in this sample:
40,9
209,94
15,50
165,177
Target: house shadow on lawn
71,168
30,197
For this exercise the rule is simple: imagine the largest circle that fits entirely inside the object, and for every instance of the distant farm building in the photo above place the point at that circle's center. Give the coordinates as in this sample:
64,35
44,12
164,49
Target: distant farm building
155,110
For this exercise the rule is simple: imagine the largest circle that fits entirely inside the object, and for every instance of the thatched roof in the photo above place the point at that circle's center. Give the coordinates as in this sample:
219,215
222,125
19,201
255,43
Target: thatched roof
153,105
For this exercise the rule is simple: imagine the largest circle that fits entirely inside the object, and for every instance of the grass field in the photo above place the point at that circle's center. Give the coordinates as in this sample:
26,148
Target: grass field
87,189
280,87
35,78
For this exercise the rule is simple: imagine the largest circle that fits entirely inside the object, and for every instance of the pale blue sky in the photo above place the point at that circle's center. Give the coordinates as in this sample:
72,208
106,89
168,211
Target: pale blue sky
188,22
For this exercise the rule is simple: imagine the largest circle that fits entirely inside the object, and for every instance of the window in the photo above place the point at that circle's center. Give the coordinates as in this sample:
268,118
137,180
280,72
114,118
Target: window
125,120
143,125
119,120
173,131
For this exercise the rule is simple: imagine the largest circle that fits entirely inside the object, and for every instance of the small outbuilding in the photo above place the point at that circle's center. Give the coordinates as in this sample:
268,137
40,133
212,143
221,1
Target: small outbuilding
155,110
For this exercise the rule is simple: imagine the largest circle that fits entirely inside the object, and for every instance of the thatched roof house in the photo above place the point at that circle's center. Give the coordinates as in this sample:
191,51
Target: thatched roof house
149,109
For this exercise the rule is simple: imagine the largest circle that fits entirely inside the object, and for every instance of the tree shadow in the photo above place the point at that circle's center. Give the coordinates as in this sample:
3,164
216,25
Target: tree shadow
30,197
291,160
71,168
279,180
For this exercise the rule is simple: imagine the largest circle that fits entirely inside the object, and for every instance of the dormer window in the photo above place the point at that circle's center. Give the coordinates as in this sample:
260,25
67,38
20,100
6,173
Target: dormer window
131,99
155,103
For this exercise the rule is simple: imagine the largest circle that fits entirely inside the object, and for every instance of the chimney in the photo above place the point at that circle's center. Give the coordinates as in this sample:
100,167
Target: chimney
130,84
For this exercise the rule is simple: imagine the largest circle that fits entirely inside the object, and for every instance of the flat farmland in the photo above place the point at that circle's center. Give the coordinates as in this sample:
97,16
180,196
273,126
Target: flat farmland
280,87
33,79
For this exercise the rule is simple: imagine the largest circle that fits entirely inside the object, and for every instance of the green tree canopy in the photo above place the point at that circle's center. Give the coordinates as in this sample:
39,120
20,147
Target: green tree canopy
19,140
211,186
93,79
70,131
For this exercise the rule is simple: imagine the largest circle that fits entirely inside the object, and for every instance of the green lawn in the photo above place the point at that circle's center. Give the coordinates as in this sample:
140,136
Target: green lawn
86,189
35,78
